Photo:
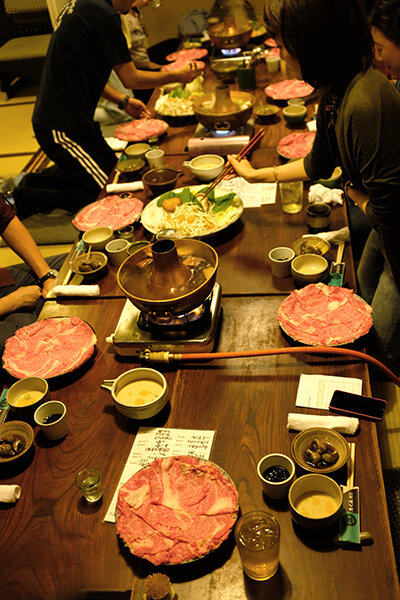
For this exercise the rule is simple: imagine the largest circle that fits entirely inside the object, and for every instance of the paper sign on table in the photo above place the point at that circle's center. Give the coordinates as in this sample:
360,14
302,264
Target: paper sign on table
315,391
252,194
151,443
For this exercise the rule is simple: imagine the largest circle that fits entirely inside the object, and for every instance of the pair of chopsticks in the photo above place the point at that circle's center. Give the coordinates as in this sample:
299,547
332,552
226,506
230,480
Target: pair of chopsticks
229,169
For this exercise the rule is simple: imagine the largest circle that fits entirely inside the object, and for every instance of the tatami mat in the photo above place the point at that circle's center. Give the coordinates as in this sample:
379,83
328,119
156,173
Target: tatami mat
16,131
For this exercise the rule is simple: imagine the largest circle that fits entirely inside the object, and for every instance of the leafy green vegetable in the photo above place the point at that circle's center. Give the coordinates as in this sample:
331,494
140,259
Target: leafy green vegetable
218,203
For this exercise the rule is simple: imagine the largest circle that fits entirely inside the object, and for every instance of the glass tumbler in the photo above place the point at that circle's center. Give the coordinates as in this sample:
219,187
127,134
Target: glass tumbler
88,481
257,537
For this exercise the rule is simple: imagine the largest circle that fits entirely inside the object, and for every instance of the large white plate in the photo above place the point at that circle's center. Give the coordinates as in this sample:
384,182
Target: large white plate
153,216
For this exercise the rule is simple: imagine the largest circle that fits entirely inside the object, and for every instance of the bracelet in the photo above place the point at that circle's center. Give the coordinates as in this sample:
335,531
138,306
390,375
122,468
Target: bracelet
275,173
348,186
124,102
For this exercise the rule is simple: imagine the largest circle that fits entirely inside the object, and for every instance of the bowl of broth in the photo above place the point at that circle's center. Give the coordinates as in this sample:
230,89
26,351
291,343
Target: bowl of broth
25,395
206,167
315,501
139,393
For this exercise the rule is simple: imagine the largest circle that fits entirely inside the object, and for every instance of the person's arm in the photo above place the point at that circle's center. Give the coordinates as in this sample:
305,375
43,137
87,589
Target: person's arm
133,107
292,171
152,66
358,197
134,79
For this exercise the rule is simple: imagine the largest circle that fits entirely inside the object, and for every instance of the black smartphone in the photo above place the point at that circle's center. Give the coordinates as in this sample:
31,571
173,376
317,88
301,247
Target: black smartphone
354,405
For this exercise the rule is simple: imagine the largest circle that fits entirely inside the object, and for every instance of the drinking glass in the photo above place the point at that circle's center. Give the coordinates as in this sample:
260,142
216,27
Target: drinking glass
88,481
257,537
291,196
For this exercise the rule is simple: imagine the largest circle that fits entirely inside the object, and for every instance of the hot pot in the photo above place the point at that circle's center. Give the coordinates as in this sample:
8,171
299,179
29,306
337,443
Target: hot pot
228,34
219,112
169,277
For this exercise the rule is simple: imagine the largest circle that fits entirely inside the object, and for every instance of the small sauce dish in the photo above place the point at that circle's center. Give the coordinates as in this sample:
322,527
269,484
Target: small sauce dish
276,473
309,268
294,114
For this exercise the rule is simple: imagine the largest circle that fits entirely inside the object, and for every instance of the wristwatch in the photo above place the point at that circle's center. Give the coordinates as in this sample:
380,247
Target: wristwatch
124,102
52,274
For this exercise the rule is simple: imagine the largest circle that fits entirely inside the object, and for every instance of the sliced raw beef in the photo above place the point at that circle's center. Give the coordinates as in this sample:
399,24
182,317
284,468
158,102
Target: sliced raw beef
49,348
187,55
296,145
176,509
140,129
111,211
290,88
182,62
271,43
323,315
274,52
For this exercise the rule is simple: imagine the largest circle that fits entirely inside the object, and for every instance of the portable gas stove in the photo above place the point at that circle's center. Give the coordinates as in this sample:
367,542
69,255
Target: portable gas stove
194,331
206,141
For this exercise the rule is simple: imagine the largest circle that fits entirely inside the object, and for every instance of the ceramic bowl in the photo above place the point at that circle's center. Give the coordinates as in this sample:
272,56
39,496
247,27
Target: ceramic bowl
325,507
309,268
225,70
91,267
275,489
136,150
20,431
294,114
311,244
266,111
140,411
98,237
25,395
334,179
304,440
131,167
161,180
206,167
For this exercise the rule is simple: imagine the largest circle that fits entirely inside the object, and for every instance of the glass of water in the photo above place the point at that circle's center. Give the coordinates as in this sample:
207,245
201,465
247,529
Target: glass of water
257,537
88,481
291,193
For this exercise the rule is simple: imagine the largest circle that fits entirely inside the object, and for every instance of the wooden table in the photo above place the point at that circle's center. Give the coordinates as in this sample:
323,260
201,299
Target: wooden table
54,544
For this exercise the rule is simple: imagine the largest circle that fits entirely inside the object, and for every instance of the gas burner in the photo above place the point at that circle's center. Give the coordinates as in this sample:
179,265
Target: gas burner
154,321
230,51
221,133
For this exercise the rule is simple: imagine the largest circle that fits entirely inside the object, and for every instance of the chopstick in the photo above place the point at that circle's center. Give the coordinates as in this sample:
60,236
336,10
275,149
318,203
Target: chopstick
340,251
350,466
229,169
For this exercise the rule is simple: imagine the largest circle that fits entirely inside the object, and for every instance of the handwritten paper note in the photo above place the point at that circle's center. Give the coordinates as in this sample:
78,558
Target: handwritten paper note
151,443
252,194
315,391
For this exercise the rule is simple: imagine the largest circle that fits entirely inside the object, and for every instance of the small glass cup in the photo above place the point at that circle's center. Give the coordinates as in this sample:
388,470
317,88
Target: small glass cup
291,193
88,481
257,536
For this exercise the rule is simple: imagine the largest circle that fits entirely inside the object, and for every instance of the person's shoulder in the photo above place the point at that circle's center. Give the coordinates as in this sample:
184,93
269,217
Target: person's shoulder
95,9
372,93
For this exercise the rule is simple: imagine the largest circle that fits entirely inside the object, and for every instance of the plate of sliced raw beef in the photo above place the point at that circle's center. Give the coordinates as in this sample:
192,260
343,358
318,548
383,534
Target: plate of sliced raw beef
176,510
187,54
289,88
49,348
296,145
110,211
141,130
324,315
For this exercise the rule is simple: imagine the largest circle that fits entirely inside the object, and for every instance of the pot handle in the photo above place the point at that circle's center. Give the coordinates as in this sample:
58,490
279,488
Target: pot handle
186,163
107,384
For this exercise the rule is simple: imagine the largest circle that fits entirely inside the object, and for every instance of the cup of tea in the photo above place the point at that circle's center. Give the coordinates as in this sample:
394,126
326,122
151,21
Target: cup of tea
291,193
280,260
118,251
52,419
257,536
273,64
318,217
155,158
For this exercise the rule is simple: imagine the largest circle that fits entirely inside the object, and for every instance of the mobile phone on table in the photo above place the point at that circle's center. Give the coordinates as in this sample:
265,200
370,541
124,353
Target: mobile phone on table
355,405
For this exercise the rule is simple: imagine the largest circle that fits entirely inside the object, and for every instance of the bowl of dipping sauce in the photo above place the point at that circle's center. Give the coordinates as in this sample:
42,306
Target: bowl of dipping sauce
161,180
139,393
130,167
136,150
205,167
266,111
294,113
315,501
25,395
98,237
276,473
91,266
309,268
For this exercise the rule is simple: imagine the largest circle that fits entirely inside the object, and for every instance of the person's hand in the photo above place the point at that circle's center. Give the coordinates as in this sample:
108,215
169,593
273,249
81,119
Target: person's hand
47,286
243,168
136,109
187,73
26,296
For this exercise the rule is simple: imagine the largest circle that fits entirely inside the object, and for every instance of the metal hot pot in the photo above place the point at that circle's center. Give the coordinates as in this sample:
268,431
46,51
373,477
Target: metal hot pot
229,34
219,111
169,277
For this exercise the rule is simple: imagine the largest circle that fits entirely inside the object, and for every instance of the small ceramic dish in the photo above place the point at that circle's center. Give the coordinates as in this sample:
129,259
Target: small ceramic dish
25,395
91,266
294,114
15,432
136,150
271,470
311,244
305,441
98,237
130,167
315,501
161,180
146,395
266,111
334,179
205,167
309,268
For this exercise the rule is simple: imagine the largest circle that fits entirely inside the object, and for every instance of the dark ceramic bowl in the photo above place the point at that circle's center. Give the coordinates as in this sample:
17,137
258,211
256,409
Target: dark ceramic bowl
161,180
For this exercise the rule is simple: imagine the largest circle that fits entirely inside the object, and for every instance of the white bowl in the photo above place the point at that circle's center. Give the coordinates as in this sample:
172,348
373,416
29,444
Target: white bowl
97,237
142,411
206,167
324,489
276,489
27,385
309,268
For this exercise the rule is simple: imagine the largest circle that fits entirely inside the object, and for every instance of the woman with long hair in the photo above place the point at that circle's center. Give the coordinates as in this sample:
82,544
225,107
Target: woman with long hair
329,45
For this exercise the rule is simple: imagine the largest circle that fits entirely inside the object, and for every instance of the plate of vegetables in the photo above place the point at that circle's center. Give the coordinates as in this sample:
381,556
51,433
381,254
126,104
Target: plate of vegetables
191,213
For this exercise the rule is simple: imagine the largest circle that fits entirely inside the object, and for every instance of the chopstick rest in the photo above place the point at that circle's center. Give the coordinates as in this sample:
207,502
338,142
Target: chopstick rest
9,493
132,186
300,421
76,290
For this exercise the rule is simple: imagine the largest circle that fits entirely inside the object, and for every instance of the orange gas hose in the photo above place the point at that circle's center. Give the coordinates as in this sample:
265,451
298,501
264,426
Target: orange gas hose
300,350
